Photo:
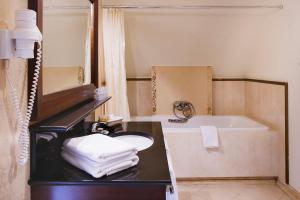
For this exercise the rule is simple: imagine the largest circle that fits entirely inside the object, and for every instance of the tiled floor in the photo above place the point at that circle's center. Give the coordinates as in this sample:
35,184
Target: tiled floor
231,190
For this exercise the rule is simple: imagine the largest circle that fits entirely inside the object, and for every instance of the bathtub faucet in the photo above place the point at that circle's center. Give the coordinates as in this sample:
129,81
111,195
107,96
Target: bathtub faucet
183,110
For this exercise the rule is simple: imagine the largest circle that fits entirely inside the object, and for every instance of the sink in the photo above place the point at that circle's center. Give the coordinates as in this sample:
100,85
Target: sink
140,140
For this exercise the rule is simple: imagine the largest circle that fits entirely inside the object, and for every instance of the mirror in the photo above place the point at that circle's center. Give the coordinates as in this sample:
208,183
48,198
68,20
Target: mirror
67,31
69,49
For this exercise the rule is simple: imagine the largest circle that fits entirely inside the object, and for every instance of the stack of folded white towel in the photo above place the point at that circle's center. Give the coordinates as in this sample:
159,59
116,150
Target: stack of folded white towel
99,155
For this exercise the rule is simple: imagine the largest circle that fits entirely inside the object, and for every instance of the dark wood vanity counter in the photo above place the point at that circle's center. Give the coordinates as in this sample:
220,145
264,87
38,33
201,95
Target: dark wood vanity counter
51,175
151,169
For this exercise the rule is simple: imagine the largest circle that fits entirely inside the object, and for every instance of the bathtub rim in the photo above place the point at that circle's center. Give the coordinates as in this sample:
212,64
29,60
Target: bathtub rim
159,118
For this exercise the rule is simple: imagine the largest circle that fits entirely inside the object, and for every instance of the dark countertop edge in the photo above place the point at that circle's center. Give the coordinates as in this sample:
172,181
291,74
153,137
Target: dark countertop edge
83,183
74,116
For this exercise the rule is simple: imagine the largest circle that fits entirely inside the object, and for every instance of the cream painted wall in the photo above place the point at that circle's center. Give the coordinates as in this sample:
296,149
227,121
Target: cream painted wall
188,38
224,39
13,179
278,58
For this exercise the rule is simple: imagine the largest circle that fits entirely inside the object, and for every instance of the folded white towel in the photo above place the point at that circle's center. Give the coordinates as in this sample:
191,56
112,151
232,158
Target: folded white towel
98,170
96,164
210,136
99,148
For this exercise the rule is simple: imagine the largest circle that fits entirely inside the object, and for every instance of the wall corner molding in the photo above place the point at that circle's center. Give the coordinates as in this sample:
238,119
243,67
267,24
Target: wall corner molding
290,191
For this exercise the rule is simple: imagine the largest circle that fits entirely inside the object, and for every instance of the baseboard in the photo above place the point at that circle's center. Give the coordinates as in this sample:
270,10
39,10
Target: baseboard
264,178
291,192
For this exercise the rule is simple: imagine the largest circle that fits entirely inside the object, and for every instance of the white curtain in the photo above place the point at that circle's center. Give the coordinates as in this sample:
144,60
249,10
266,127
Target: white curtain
87,60
114,59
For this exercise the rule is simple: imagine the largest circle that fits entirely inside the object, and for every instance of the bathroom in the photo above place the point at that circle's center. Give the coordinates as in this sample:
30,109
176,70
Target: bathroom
236,62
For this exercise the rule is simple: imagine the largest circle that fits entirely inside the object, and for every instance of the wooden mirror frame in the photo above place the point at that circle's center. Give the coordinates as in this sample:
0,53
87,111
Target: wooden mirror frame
48,105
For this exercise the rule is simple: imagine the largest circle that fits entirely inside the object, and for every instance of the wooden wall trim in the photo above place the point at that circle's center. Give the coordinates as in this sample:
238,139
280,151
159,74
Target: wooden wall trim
223,79
292,193
251,80
266,81
229,79
139,79
187,179
287,159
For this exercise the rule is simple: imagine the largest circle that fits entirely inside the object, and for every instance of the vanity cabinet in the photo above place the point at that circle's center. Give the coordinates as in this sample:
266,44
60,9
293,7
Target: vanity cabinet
94,192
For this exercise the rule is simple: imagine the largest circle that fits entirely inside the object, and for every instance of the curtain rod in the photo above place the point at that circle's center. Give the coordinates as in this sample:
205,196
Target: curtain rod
194,6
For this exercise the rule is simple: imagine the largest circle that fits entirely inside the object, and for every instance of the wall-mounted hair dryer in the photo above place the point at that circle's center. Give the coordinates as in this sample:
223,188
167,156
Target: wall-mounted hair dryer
19,43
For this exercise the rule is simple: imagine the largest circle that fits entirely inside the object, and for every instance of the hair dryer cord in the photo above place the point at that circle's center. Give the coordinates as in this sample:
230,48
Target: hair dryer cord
24,138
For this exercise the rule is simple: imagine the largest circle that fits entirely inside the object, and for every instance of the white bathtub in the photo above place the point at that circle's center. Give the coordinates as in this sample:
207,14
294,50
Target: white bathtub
221,122
247,148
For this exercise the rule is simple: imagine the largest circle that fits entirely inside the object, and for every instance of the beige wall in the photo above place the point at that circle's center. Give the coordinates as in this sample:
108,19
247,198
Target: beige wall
220,38
192,84
278,58
139,97
229,98
266,104
223,39
13,179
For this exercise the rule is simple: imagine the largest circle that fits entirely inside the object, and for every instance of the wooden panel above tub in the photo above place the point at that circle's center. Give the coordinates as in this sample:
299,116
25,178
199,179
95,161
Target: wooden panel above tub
170,84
